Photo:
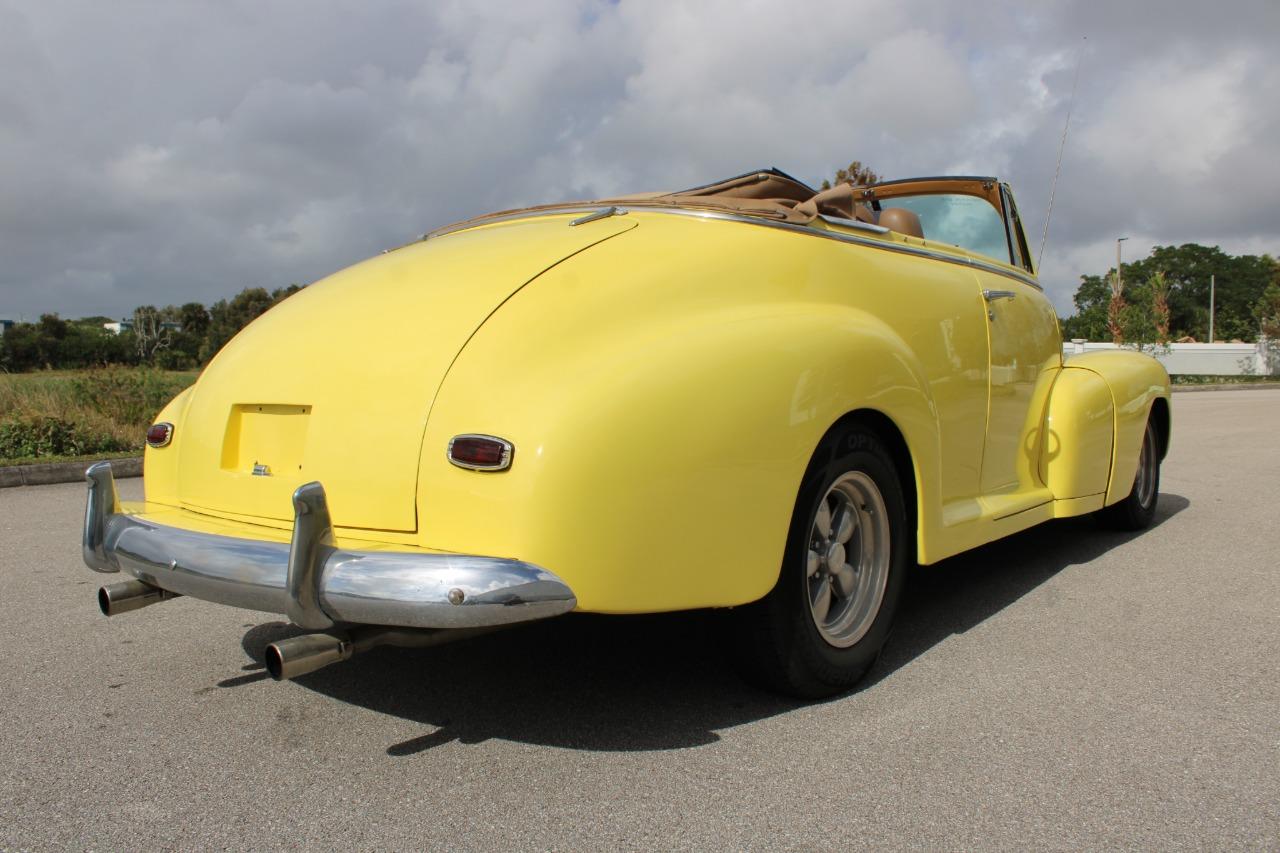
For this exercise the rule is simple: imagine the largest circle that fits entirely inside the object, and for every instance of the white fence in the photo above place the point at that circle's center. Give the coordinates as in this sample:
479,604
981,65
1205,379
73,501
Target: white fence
1262,358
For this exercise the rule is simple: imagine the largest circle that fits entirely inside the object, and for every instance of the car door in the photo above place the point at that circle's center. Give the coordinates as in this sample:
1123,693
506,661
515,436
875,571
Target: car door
1022,330
978,215
1026,352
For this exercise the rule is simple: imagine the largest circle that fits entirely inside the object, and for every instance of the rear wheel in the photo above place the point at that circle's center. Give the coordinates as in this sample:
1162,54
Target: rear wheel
1137,510
823,625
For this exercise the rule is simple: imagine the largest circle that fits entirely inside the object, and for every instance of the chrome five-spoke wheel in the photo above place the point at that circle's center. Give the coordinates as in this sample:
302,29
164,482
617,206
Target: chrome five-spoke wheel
821,628
848,559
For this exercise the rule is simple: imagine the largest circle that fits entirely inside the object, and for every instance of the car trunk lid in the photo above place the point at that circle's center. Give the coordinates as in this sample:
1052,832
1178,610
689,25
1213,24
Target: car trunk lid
335,384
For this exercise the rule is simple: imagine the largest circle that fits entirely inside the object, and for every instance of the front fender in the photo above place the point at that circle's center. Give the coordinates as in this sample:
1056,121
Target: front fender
1136,381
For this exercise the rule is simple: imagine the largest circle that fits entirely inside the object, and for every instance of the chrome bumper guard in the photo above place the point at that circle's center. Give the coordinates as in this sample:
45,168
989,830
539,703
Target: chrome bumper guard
314,583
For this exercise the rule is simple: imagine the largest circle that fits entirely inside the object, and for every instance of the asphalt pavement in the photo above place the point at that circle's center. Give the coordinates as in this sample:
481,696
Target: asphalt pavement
1066,688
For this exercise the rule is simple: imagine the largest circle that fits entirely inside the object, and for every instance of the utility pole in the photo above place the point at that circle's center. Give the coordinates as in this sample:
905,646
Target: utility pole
1115,308
1211,283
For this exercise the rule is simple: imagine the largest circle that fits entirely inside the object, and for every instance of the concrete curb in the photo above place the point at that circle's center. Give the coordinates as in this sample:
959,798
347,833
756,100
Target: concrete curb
63,472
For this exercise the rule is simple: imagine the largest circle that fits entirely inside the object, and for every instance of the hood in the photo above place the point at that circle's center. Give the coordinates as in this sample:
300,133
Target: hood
336,383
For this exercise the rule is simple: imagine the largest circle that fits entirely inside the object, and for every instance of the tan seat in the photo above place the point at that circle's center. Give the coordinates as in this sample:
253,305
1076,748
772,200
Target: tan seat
901,220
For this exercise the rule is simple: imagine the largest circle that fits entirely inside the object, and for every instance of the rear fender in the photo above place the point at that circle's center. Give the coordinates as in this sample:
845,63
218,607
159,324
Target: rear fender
660,473
160,464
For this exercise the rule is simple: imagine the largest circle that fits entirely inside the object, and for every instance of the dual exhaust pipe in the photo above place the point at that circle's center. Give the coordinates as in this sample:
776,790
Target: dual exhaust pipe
297,656
300,655
117,598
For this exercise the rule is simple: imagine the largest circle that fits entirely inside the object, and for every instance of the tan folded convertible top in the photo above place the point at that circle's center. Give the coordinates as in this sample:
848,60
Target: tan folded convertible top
768,193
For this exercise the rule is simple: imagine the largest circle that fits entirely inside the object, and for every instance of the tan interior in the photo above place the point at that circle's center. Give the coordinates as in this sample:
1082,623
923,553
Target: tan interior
901,220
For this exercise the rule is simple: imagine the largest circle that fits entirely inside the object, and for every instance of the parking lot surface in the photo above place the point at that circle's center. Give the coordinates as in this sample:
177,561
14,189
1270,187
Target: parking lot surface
1066,688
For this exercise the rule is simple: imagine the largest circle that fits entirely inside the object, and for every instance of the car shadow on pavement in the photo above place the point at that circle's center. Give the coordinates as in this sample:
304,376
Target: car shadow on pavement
955,595
655,682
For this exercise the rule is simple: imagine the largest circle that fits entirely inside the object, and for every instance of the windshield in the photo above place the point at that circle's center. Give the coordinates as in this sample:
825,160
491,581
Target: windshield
959,220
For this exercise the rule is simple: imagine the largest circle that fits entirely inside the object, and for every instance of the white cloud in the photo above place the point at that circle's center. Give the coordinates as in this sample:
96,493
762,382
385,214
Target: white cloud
154,154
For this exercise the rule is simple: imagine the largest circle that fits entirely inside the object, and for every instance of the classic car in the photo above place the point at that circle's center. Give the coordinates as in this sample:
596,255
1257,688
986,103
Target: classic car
749,395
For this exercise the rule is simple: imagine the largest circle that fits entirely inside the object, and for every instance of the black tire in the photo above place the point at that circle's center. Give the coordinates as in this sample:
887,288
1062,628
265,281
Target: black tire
778,642
1138,509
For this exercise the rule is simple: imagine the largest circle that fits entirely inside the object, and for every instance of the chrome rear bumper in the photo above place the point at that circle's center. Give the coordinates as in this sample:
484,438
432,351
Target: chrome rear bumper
313,582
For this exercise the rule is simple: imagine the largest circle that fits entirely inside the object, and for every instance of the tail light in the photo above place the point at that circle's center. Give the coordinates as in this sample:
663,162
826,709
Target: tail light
159,435
480,452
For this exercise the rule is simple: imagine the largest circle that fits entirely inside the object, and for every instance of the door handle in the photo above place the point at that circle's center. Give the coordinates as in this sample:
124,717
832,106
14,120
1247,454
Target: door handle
993,295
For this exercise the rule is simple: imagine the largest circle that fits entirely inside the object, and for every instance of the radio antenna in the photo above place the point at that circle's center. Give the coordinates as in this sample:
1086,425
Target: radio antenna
1053,188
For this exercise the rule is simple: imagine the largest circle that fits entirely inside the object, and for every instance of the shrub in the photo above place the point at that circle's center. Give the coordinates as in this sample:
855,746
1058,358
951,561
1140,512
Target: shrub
82,413
131,397
51,436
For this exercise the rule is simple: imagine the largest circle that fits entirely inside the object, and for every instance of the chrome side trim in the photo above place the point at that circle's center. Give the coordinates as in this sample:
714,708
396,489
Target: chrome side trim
312,539
396,588
509,217
725,216
602,213
900,248
854,223
1016,276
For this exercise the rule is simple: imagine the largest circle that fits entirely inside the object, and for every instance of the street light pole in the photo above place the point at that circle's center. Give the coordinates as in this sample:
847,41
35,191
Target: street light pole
1119,281
1211,283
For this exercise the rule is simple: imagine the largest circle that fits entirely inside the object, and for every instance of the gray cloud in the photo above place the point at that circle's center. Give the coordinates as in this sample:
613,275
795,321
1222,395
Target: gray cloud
155,153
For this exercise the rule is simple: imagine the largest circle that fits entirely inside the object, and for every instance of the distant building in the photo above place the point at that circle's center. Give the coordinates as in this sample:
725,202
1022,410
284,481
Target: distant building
5,325
126,325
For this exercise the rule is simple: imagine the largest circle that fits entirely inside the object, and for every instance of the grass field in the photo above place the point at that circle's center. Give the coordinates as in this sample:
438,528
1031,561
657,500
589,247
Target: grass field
64,415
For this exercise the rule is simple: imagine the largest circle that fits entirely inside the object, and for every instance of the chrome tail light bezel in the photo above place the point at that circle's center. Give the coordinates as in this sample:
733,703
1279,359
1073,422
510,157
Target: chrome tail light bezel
507,452
164,441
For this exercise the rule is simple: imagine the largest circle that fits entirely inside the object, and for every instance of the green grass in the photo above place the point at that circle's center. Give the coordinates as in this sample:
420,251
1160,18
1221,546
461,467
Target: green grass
61,415
85,458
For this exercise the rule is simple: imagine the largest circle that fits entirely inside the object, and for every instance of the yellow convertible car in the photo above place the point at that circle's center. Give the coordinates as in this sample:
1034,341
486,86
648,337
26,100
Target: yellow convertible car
748,395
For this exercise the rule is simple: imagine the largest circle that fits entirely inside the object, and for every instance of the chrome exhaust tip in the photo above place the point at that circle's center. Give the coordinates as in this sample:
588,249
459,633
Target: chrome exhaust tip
117,598
296,656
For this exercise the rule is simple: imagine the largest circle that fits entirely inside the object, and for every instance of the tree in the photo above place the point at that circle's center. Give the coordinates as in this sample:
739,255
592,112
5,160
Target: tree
55,343
280,294
1267,311
193,325
226,318
856,174
1159,286
1240,282
149,334
194,319
1115,310
19,348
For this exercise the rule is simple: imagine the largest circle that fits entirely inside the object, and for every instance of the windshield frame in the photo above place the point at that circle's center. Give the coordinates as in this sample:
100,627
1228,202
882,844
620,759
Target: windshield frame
990,190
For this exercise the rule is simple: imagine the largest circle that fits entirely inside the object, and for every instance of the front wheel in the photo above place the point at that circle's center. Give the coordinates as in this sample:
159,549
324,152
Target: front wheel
823,625
1137,510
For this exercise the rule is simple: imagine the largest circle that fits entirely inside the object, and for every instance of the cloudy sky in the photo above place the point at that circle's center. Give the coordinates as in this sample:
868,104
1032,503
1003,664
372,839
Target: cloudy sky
161,152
